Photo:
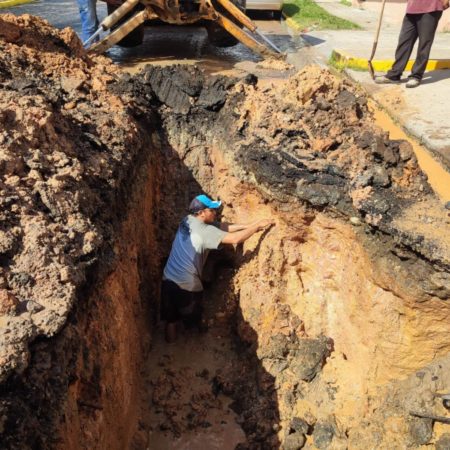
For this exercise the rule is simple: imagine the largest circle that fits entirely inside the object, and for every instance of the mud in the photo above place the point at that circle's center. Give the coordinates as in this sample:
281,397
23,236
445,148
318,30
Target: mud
334,320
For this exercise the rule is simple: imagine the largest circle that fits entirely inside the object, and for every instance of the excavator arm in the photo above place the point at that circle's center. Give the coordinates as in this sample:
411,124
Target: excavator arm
237,23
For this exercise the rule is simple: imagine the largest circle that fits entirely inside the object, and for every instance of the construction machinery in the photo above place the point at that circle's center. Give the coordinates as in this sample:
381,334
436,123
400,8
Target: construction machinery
218,15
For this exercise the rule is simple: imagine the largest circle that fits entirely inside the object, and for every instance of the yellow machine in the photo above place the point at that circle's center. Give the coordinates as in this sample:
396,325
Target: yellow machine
221,12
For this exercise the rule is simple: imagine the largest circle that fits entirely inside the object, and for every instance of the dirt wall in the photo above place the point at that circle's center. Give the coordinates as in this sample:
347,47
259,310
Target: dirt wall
104,401
78,244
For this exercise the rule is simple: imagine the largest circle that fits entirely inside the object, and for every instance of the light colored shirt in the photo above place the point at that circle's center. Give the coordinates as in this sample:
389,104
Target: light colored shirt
190,248
423,6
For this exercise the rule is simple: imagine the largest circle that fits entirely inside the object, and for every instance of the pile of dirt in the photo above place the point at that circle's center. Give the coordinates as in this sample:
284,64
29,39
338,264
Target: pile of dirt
314,140
66,147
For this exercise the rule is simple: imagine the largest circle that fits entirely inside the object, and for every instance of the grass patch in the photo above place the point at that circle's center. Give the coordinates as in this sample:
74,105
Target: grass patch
341,66
346,2
308,15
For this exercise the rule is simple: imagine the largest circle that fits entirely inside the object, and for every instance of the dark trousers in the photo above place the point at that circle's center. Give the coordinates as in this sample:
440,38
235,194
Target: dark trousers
178,304
422,26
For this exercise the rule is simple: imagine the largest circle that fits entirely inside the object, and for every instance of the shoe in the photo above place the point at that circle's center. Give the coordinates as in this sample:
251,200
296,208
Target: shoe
412,83
383,79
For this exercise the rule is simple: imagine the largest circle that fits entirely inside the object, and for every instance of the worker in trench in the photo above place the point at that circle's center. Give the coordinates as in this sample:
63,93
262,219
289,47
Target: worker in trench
198,233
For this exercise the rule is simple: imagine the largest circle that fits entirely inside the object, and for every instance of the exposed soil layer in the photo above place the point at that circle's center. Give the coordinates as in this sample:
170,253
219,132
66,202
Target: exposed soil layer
339,310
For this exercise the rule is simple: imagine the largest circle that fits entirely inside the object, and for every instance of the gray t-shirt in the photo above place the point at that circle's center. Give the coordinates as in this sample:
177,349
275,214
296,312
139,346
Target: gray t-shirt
190,248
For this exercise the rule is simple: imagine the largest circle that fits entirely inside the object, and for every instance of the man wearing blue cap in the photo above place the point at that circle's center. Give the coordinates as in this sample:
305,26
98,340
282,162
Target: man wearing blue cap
198,233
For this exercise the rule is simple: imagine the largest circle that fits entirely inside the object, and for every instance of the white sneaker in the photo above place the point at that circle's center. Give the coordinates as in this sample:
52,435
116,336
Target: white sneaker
383,79
412,83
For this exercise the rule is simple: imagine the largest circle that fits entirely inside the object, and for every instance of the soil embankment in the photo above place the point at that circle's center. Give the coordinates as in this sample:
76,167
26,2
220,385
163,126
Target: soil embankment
339,311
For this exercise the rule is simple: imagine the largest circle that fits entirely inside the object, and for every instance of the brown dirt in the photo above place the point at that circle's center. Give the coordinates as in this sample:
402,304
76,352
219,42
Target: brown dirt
56,122
335,320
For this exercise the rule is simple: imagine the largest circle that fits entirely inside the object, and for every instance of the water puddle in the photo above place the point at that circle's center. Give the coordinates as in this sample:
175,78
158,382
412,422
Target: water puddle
438,177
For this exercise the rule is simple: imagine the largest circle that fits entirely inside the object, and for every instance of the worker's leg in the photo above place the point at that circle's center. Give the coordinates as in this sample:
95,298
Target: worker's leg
171,331
426,25
198,313
170,298
193,318
88,16
406,41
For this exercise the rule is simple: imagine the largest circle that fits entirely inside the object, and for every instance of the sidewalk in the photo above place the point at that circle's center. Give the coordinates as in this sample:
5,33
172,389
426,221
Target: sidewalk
423,111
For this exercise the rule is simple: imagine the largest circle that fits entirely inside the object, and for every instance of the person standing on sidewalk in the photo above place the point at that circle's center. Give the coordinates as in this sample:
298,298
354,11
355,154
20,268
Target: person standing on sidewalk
198,233
89,20
420,21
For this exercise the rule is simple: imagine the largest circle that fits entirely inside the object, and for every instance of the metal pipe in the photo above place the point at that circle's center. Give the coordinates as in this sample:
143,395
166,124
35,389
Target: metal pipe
92,38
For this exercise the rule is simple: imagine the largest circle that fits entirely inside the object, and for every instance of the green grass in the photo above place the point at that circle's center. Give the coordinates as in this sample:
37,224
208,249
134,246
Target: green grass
308,15
346,2
340,66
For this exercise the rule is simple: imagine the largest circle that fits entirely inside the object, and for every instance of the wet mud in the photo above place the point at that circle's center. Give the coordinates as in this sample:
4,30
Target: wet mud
326,331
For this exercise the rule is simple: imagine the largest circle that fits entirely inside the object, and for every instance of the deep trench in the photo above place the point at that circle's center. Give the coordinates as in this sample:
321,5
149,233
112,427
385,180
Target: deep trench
326,331
206,387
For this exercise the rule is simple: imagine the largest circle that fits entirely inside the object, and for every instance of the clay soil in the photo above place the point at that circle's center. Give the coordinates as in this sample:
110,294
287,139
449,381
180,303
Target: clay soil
326,331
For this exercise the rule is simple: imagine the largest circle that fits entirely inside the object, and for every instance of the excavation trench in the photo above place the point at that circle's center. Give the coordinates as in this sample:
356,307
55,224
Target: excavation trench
325,332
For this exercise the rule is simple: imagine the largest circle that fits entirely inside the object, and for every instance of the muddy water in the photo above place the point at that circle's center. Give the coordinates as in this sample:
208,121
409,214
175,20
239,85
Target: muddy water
438,177
167,45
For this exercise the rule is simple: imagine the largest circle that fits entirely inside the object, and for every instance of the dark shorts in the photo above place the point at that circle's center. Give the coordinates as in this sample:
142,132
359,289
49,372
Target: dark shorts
178,304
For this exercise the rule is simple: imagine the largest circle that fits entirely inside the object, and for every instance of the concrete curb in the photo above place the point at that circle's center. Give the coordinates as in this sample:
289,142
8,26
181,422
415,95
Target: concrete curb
10,3
345,61
291,23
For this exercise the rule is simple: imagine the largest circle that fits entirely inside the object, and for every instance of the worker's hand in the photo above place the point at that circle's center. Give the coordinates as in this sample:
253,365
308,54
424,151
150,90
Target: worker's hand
445,3
265,223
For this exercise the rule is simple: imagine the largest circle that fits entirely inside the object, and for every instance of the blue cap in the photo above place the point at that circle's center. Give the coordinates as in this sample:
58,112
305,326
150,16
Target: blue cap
202,202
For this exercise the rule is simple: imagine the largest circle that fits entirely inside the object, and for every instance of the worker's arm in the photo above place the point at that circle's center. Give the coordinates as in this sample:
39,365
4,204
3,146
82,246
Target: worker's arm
445,3
233,227
238,237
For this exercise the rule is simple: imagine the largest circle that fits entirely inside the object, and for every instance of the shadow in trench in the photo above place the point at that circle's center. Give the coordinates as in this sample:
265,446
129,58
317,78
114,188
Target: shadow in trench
247,382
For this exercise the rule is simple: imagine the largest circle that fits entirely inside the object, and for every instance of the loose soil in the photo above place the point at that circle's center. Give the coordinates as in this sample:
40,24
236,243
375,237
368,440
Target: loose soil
326,330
